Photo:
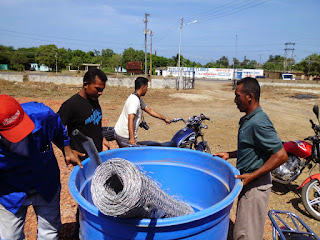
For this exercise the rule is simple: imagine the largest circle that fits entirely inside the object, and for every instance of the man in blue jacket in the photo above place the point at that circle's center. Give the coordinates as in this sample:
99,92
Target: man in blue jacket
29,172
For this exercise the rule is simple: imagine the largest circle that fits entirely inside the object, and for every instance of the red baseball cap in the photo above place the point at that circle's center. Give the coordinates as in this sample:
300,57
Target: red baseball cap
15,124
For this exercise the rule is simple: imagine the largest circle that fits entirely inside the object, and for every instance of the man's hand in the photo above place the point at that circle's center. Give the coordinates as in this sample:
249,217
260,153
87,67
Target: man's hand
245,178
71,156
226,155
133,142
75,152
106,145
223,155
273,162
167,121
155,114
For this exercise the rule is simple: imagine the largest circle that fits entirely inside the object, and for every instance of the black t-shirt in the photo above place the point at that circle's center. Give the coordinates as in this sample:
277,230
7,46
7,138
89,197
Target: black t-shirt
84,115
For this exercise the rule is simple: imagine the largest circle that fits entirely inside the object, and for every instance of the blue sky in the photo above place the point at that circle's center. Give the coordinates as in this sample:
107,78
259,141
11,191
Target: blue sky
232,28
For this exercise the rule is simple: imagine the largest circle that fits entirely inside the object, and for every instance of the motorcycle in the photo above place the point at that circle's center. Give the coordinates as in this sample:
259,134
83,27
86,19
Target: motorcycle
186,137
302,154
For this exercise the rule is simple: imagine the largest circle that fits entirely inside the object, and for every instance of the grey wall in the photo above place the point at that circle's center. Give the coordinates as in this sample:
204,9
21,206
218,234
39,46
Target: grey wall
112,81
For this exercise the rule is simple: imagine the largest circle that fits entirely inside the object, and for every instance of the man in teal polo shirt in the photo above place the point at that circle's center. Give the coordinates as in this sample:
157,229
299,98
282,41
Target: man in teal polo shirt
259,152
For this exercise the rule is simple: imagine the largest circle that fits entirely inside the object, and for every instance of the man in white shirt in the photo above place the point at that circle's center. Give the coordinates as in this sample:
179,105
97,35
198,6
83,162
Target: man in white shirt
127,125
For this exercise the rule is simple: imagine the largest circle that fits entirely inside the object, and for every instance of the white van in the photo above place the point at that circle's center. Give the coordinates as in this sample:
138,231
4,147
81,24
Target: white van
287,76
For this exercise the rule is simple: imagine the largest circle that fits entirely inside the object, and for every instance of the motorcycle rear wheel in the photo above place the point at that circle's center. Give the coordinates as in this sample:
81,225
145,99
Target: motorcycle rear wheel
311,198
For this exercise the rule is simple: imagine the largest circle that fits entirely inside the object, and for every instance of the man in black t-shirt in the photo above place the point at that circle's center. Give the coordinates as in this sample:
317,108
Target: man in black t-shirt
83,112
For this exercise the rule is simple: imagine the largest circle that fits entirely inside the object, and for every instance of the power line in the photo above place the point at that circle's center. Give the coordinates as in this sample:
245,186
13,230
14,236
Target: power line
157,45
208,12
71,39
229,10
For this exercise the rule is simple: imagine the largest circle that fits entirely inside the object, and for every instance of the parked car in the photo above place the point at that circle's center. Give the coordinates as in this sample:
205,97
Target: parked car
260,77
316,79
287,76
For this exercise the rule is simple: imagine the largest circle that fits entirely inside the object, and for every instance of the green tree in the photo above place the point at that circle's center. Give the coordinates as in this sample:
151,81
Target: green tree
248,64
158,61
96,58
310,65
18,60
236,63
106,54
96,52
64,57
30,53
188,63
130,54
77,62
5,53
46,54
78,53
198,65
211,65
114,61
223,62
175,60
89,57
274,63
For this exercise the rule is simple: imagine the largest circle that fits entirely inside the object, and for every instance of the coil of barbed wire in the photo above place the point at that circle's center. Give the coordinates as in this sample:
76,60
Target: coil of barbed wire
121,189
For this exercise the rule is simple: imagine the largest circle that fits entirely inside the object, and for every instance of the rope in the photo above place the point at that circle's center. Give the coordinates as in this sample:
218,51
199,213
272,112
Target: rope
120,189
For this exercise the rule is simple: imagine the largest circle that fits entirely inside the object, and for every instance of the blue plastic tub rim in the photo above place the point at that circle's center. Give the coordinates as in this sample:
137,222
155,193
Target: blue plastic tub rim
228,200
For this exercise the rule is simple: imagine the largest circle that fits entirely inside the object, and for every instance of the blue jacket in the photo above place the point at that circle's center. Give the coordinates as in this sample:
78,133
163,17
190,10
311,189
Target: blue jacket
39,170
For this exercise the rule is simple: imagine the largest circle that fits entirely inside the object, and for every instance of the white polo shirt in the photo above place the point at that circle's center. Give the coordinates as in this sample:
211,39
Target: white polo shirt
133,105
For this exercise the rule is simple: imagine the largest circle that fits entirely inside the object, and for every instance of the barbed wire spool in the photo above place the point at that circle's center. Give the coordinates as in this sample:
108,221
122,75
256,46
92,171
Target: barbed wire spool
121,189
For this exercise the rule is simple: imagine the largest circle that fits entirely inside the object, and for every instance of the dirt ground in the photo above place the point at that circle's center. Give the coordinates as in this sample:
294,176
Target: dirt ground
289,115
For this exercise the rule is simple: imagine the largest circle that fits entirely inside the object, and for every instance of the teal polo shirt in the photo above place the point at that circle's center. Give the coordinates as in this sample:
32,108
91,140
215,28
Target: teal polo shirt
257,141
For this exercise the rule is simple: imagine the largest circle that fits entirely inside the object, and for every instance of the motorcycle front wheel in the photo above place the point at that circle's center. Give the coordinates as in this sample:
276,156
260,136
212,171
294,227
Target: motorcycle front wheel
203,147
207,149
311,198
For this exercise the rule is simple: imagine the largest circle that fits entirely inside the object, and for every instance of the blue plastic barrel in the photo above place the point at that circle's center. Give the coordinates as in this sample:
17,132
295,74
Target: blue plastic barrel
205,182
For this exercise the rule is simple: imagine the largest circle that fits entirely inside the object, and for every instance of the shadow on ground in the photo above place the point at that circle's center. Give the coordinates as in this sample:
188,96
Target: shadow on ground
296,201
68,232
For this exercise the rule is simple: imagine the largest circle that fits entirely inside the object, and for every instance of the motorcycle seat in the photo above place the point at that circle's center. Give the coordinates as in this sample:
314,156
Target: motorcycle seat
153,143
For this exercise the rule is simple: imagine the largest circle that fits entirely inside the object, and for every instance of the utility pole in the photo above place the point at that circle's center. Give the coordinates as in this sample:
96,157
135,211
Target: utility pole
179,68
145,42
151,34
260,59
234,67
56,62
308,66
179,62
286,51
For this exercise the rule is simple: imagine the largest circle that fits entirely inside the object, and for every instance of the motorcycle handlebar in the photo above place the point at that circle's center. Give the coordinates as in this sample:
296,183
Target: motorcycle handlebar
202,118
309,138
312,123
177,120
314,126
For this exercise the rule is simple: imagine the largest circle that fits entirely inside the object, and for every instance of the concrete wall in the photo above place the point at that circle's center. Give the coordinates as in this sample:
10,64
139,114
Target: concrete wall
290,84
55,79
11,77
163,83
60,79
